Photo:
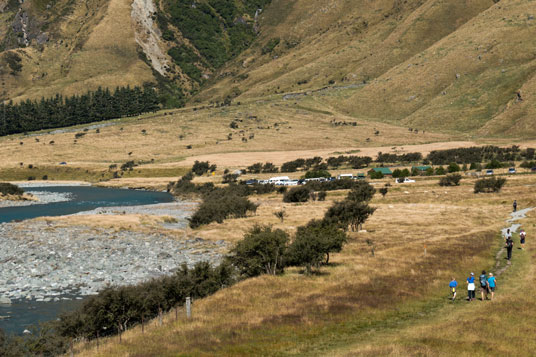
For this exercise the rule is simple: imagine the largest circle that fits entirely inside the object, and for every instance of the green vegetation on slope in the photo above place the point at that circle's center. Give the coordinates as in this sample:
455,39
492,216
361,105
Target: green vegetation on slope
217,29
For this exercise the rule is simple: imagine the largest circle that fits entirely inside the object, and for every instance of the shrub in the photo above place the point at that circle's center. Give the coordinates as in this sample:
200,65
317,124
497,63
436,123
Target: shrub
453,167
7,188
383,191
269,168
317,174
130,305
494,164
492,184
475,166
229,178
129,165
348,214
297,194
450,180
429,171
374,175
315,241
440,170
361,192
202,167
393,158
219,205
255,168
401,173
262,251
528,164
322,195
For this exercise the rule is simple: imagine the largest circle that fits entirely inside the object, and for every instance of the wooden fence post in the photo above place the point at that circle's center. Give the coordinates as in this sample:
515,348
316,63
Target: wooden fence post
188,307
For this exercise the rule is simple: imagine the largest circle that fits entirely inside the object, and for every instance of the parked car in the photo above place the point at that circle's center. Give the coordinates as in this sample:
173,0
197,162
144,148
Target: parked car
533,169
252,182
404,180
489,172
512,170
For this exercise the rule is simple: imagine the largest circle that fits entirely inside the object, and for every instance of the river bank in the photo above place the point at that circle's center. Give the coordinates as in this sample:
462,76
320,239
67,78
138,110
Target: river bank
42,262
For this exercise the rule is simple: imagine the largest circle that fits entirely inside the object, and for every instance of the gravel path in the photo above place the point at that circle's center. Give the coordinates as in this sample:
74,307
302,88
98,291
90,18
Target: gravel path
516,216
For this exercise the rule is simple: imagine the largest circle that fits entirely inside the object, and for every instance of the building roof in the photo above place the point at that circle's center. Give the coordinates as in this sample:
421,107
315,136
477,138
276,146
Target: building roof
383,170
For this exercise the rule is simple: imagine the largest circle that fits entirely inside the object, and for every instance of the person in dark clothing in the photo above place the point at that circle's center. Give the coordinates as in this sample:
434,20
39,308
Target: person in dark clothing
509,246
515,205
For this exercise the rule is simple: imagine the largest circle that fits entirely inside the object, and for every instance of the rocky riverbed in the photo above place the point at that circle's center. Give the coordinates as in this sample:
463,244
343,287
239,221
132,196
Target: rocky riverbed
41,197
44,262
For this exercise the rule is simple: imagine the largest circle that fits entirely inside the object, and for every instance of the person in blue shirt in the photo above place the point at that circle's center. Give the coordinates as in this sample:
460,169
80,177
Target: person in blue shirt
453,284
492,282
471,287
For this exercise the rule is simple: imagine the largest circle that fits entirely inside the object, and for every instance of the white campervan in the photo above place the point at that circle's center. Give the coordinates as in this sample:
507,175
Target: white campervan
279,180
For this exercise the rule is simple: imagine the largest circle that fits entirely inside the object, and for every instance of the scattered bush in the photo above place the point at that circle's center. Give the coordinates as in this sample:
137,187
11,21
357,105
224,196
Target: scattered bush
528,164
297,194
494,164
322,195
383,191
129,165
219,205
229,178
362,191
262,251
440,171
492,184
317,174
376,175
201,168
314,242
393,158
7,188
400,173
348,213
450,180
280,215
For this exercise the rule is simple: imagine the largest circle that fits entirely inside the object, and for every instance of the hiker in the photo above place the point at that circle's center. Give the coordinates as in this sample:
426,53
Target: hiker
471,287
522,236
453,284
509,246
492,283
507,235
515,205
484,289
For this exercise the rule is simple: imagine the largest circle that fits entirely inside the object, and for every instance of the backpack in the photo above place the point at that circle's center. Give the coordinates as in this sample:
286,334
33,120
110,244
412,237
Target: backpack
509,243
483,280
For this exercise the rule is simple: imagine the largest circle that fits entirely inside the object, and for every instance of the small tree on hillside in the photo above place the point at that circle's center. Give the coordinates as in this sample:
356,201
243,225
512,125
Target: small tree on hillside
450,180
315,241
261,251
362,191
348,214
487,185
297,194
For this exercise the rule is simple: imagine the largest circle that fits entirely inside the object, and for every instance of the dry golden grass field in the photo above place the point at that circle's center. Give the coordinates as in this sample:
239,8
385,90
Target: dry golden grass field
395,302
165,144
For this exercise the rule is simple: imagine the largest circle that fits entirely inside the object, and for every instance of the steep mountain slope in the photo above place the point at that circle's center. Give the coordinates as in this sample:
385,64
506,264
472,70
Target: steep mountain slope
89,44
452,66
434,64
70,46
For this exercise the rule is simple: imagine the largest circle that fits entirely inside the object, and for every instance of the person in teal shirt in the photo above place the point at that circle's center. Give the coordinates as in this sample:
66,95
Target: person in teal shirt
453,284
492,282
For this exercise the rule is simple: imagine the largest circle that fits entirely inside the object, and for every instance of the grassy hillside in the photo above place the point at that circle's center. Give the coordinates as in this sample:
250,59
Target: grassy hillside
434,65
389,303
90,44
